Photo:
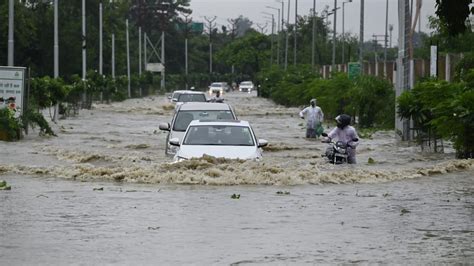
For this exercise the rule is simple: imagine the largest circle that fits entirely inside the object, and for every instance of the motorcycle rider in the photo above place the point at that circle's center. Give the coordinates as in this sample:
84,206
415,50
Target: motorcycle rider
314,116
345,133
217,98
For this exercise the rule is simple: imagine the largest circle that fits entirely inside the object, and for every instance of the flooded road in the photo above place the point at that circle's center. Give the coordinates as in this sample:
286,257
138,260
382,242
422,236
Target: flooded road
135,207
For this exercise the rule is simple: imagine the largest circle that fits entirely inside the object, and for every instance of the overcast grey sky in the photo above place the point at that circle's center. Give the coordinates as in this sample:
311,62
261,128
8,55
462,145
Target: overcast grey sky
374,13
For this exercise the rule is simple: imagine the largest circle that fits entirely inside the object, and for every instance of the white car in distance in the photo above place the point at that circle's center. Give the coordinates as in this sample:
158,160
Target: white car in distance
246,86
231,139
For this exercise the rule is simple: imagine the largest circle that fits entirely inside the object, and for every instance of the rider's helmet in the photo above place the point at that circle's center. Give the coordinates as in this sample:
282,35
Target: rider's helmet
343,120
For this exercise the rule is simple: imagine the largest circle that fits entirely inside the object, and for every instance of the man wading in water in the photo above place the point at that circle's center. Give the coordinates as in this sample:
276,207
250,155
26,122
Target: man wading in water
314,118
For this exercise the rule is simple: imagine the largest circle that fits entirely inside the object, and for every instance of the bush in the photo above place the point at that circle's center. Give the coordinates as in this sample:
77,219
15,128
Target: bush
443,109
9,125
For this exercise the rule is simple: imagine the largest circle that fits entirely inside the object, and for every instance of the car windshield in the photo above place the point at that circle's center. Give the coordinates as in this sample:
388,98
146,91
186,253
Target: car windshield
219,135
176,95
191,98
246,83
183,118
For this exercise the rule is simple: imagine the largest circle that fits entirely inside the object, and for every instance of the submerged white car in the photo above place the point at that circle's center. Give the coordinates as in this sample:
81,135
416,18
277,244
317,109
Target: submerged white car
246,86
232,139
187,112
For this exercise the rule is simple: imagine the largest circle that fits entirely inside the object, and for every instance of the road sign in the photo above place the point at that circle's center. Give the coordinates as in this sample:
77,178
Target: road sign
12,88
354,70
154,67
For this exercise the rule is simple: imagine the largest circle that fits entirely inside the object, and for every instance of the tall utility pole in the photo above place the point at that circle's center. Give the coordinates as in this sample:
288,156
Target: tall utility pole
211,25
385,40
84,40
287,33
343,32
128,59
295,32
361,37
100,40
278,36
186,32
140,51
113,55
273,32
313,39
390,28
333,68
56,54
56,42
11,26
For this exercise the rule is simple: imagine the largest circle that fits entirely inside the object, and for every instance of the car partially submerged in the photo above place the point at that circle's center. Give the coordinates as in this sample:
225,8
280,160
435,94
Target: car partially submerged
187,112
184,96
220,87
231,139
246,86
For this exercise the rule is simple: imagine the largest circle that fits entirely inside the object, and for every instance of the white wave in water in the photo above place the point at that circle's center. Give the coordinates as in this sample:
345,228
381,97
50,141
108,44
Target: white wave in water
214,171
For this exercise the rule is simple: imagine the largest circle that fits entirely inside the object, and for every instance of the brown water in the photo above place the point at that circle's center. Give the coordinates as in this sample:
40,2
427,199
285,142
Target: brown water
407,207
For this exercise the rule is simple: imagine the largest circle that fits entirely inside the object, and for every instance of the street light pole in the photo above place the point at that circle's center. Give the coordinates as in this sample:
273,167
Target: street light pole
278,30
11,26
314,34
287,33
295,32
343,32
361,37
385,39
334,37
84,58
273,32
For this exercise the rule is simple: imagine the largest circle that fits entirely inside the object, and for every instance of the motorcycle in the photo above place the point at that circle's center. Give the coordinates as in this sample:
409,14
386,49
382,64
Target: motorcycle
337,151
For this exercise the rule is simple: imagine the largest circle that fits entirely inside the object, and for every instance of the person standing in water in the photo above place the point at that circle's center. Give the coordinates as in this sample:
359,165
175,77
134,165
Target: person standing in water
314,118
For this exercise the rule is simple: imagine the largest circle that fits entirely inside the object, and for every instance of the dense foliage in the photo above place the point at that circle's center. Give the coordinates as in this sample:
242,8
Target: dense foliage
443,109
371,100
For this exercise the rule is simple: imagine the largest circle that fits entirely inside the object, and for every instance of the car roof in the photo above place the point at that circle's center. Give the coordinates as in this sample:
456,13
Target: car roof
191,106
246,81
188,92
219,123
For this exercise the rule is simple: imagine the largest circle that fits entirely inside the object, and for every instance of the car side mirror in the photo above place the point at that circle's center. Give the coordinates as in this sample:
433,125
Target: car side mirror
174,142
164,126
174,100
262,143
324,134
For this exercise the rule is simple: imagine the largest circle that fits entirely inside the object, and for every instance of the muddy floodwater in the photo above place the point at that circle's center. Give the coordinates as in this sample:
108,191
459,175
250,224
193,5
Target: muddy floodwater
103,192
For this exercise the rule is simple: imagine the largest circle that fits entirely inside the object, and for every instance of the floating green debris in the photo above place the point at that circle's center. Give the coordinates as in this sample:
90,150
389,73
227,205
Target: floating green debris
235,196
4,185
404,211
370,160
98,189
386,195
283,192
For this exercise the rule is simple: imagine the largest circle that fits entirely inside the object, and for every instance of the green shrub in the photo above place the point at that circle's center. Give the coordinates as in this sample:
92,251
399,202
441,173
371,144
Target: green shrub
9,125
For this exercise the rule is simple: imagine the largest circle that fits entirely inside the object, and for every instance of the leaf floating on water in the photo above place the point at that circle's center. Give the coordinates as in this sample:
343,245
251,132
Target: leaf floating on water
370,160
4,185
404,211
98,189
235,196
